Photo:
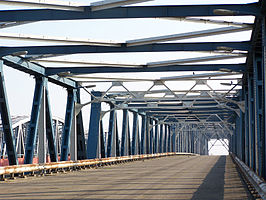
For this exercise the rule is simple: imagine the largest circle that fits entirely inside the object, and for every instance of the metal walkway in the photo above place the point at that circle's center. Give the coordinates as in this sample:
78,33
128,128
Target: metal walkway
178,177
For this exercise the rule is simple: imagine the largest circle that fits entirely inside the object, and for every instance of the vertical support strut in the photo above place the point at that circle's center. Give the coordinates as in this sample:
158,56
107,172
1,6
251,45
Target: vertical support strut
156,138
147,135
93,144
263,28
50,133
251,123
135,134
143,145
173,145
111,146
165,138
161,139
151,137
68,125
6,121
102,140
34,120
81,146
247,161
259,123
169,142
42,152
124,142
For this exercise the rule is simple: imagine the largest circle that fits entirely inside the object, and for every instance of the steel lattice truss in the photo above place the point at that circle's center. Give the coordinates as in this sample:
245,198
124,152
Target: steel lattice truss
198,110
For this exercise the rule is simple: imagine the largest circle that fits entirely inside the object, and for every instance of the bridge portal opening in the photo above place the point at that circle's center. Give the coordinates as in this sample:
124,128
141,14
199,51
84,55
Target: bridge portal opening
218,147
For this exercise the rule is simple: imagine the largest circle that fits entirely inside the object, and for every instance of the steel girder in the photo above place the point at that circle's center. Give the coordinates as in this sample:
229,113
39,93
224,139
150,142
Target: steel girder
94,139
6,121
129,12
69,117
157,47
172,68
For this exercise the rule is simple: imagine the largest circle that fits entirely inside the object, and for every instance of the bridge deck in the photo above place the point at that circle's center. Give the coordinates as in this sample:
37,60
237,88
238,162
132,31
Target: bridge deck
179,177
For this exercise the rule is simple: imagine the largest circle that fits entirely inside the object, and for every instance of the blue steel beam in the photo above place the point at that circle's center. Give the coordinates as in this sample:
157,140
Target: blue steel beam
125,135
151,151
127,12
34,120
246,94
258,103
6,121
93,148
174,139
263,28
135,134
71,98
169,140
157,47
165,140
111,146
129,140
37,70
103,69
102,141
118,152
161,137
81,144
143,143
156,137
50,134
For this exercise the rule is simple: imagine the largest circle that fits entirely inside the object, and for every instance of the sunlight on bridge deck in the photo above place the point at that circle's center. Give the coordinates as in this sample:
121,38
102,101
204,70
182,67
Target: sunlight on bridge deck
178,177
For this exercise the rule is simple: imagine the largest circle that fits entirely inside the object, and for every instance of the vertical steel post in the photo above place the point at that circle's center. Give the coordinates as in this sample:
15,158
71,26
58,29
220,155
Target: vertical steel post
156,139
81,143
147,135
111,143
151,137
247,161
129,139
42,128
102,140
6,121
50,132
68,125
34,120
165,138
135,134
124,142
258,103
161,138
241,136
169,138
263,28
251,121
143,147
118,153
173,144
93,144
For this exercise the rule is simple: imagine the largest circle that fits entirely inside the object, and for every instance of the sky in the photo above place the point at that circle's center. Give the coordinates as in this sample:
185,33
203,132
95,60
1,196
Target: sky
20,86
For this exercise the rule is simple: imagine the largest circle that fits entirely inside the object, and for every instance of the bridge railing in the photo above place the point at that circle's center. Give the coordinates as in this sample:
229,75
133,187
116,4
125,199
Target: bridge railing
11,171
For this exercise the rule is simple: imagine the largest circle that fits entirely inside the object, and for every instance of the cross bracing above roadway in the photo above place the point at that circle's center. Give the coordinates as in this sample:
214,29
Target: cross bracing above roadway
198,82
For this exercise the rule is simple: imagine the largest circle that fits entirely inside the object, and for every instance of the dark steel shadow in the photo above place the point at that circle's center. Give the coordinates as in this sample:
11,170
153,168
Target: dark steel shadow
212,187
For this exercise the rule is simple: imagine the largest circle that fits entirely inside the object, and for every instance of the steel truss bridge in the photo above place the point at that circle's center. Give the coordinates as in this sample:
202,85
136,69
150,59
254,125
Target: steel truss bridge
163,118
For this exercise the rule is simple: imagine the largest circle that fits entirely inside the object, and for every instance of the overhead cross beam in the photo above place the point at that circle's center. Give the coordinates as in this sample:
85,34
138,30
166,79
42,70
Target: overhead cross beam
190,35
129,12
173,68
160,47
42,4
35,69
107,4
